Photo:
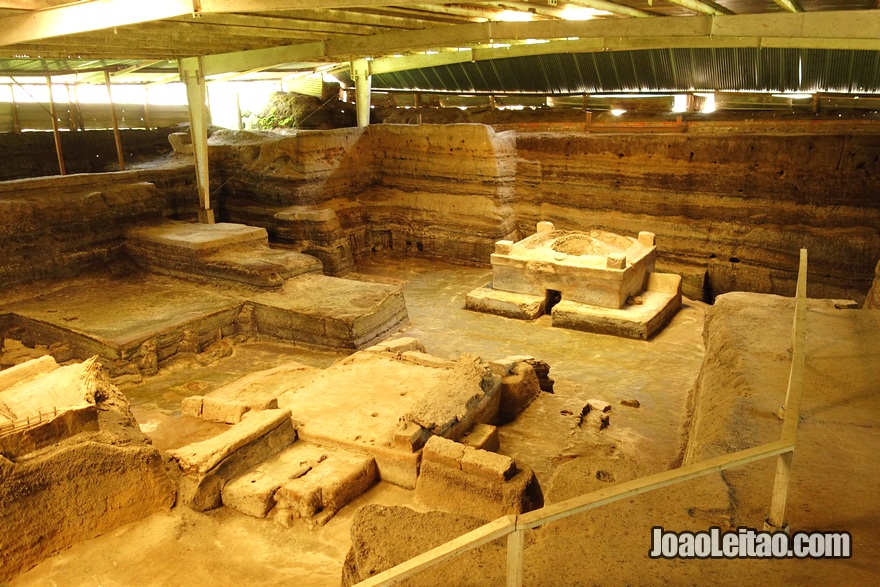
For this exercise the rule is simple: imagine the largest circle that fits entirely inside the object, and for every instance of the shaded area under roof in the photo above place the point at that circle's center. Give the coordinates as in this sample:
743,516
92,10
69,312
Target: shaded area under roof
655,70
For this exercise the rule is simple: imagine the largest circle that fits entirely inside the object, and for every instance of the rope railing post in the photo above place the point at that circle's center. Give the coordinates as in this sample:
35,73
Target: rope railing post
791,410
515,546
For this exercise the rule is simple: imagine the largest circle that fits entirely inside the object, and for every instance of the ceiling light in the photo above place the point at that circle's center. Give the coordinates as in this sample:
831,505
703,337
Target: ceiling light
618,111
578,13
512,16
793,96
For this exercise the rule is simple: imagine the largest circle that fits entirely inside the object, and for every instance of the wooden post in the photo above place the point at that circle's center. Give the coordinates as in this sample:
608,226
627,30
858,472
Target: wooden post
208,116
361,73
71,113
792,413
78,116
239,122
116,135
55,133
16,122
147,107
192,74
515,545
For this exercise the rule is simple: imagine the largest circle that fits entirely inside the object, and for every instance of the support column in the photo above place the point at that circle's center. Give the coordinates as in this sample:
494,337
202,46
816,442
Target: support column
71,113
191,73
116,135
55,132
146,107
361,74
16,123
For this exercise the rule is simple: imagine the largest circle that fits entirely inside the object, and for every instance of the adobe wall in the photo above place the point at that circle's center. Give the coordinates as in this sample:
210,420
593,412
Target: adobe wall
435,190
470,167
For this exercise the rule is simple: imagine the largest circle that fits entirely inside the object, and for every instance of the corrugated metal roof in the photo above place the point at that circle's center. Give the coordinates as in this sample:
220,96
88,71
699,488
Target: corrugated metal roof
740,69
30,66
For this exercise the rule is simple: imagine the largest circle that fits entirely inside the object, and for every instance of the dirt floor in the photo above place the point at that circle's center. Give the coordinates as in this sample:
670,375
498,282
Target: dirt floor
224,548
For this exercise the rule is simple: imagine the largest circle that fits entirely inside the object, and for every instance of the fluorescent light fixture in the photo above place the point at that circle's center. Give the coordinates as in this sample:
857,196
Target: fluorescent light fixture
618,111
629,95
535,41
793,96
512,16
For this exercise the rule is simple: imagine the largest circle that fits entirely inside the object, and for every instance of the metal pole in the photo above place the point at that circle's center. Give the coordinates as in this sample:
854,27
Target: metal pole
55,133
116,135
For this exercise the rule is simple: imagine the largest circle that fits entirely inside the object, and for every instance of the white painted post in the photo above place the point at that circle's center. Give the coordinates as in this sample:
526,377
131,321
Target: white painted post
360,70
192,74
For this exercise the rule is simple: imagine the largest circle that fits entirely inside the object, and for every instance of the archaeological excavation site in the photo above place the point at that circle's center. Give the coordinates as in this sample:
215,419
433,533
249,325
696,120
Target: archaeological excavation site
528,293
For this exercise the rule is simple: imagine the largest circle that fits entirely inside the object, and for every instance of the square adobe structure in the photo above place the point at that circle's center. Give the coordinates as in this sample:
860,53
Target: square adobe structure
595,281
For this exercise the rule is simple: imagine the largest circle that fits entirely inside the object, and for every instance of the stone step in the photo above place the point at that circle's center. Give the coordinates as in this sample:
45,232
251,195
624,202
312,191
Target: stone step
253,392
303,481
208,465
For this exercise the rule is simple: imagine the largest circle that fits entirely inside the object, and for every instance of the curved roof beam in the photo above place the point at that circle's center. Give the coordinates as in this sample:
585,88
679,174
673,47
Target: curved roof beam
790,5
702,7
612,7
97,15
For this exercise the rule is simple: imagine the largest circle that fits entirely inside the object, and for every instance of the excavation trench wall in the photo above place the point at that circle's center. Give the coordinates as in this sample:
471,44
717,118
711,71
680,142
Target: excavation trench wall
442,191
730,210
58,226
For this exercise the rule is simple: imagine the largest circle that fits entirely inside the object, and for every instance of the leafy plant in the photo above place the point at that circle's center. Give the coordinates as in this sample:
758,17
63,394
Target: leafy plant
284,110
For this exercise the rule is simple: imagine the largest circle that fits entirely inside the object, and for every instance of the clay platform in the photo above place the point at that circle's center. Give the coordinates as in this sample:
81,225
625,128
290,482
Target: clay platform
359,403
328,311
656,306
227,251
112,318
642,320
